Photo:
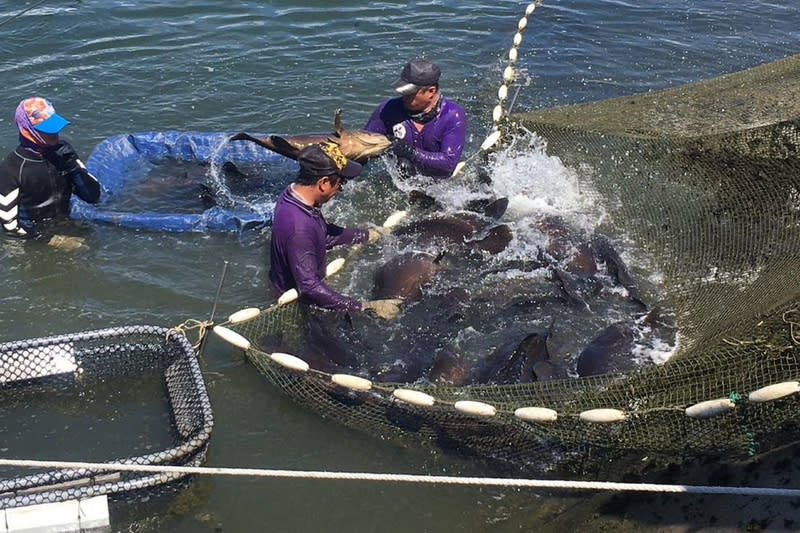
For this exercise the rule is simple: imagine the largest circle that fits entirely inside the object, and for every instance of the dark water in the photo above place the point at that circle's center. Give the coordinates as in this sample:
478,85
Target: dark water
116,67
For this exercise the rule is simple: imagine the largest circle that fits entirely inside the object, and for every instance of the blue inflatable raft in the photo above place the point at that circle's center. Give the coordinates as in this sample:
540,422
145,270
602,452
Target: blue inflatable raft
121,161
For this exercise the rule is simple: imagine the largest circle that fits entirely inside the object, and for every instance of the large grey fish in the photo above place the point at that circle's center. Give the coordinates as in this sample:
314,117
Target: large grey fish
404,275
612,349
358,145
514,361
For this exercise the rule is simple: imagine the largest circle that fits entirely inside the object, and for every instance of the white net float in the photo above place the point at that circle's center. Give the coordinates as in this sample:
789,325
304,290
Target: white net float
289,361
602,416
232,337
773,392
334,267
351,382
497,114
710,408
243,315
491,140
502,92
475,408
536,414
414,397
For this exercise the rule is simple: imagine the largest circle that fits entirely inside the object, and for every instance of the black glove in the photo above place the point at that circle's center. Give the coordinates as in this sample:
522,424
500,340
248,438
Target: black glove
403,150
63,155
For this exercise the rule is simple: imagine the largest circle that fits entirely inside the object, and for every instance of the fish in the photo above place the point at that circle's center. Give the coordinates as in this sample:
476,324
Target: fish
605,252
513,361
567,247
404,275
612,349
329,339
357,145
414,363
449,368
609,351
462,228
575,256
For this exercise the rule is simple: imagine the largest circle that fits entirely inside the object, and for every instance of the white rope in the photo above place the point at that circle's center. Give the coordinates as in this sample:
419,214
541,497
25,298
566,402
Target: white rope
410,478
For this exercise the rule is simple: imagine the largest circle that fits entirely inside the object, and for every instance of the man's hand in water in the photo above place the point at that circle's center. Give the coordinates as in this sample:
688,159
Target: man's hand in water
375,234
386,309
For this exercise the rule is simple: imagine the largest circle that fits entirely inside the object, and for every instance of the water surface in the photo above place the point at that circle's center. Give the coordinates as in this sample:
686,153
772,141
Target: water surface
120,66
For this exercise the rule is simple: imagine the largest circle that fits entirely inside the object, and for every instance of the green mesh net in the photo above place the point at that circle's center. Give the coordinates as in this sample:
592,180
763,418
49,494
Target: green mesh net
703,177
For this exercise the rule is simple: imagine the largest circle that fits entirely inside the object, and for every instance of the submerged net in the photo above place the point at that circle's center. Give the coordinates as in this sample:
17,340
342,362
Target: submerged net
64,391
706,179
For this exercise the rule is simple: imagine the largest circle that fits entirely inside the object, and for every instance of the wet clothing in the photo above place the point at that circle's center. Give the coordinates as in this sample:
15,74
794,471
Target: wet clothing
36,184
300,238
437,147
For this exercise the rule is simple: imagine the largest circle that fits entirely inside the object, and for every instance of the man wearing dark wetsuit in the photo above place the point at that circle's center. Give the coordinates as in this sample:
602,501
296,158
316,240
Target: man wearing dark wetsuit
429,130
301,236
38,178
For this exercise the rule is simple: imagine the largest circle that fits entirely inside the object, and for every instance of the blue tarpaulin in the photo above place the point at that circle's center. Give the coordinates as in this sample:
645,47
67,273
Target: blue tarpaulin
118,160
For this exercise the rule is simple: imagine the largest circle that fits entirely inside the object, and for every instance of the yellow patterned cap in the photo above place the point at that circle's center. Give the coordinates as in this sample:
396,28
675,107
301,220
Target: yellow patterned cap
326,159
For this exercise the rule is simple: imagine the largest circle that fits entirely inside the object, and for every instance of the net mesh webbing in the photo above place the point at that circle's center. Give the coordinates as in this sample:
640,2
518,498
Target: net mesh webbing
704,178
68,388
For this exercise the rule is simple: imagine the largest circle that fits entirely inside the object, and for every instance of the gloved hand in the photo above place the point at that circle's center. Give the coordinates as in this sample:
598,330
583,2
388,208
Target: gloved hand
386,309
375,234
403,150
64,156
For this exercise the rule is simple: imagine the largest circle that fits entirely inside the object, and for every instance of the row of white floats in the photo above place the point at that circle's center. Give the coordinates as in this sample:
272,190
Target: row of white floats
700,410
509,75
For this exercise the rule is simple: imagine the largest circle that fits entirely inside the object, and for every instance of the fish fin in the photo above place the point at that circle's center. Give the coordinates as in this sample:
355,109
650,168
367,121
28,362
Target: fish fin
496,240
207,196
282,146
497,208
232,171
615,266
242,136
337,122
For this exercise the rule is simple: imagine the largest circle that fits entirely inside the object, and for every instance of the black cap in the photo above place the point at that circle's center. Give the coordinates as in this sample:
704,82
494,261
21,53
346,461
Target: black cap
417,73
326,159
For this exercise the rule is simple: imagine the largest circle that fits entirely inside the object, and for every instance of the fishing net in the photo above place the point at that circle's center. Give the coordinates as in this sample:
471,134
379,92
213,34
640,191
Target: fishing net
706,179
64,391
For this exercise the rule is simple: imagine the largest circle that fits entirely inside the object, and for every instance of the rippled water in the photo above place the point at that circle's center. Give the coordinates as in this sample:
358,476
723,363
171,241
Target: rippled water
117,66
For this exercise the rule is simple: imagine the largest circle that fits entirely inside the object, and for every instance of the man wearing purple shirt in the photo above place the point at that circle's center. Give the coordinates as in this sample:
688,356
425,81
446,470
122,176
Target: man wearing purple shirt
301,236
429,130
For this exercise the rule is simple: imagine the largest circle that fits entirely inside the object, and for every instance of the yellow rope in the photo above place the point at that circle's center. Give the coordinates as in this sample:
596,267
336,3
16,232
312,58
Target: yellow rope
192,324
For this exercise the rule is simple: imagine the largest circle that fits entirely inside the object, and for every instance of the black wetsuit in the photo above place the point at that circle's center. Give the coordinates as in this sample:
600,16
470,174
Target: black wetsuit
36,187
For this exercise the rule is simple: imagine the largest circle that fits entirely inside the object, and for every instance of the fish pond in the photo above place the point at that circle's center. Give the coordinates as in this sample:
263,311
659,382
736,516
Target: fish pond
119,67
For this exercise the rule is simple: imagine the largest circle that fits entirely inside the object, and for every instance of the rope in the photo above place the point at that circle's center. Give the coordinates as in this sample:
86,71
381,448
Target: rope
191,324
509,75
410,478
792,324
12,17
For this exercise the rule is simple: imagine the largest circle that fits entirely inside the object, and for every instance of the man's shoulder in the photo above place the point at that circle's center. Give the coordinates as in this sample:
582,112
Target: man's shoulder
290,216
11,162
450,106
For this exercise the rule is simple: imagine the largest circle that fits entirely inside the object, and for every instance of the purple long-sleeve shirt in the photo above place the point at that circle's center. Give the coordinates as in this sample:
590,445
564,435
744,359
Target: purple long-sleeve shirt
300,238
438,145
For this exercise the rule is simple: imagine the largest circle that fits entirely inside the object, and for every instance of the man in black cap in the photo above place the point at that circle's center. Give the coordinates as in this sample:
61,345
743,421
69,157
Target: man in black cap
429,130
301,236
